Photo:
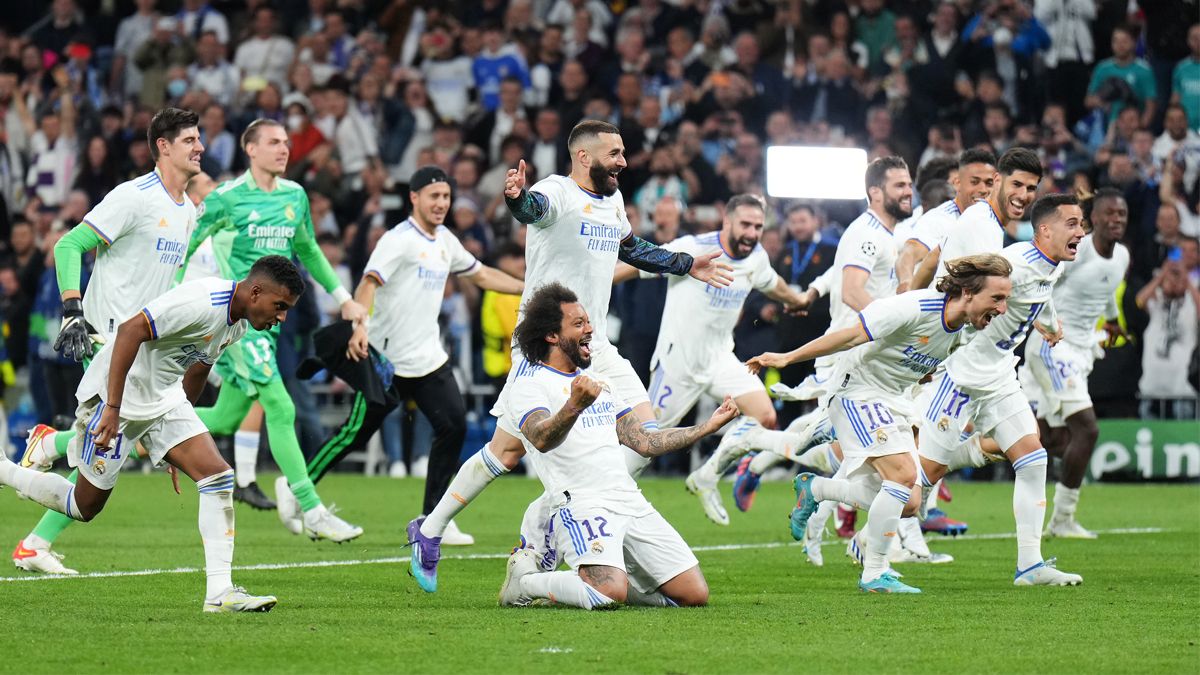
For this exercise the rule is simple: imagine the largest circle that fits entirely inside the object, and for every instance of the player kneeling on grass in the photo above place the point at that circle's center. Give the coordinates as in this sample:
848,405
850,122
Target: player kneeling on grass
164,354
601,521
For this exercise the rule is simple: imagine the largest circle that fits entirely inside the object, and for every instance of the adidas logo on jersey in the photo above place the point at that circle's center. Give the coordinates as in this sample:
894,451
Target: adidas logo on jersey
162,222
253,215
587,208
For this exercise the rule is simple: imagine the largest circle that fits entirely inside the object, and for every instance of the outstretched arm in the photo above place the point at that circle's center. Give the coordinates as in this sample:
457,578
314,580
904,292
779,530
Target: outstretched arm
633,435
492,279
831,343
652,258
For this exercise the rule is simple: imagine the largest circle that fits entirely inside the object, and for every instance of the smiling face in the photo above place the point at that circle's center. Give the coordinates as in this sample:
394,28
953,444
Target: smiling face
1015,194
269,304
742,230
897,194
431,203
975,182
604,159
1110,216
574,336
990,302
1058,235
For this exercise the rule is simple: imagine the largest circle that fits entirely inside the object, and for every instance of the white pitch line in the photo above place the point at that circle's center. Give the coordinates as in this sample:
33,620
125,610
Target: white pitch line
501,556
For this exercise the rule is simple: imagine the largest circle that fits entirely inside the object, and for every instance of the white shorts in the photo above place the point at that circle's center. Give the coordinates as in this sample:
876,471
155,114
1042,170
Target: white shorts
608,366
101,467
1056,379
1001,412
645,547
870,427
674,390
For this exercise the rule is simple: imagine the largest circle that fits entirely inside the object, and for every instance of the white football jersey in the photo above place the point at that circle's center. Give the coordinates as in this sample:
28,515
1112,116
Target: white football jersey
576,244
867,244
411,268
909,340
977,230
189,324
904,228
146,233
589,464
1087,291
935,224
988,359
698,319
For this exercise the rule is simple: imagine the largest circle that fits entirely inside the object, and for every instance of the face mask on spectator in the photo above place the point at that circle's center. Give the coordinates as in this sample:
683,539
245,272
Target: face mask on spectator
177,88
295,122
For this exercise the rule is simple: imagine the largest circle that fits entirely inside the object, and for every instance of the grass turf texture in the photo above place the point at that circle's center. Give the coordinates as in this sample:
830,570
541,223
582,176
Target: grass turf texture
770,610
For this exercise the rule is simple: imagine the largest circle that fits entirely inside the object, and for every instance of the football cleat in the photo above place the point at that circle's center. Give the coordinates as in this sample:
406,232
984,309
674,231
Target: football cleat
806,504
40,560
456,537
423,556
288,507
812,544
710,499
886,583
520,564
937,521
844,518
1068,528
321,523
236,599
745,486
253,496
903,555
35,456
1045,573
944,492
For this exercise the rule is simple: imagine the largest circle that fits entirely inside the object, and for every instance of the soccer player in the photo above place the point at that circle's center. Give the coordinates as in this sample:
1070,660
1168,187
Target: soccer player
980,384
140,232
141,388
897,342
578,231
269,215
694,353
973,181
619,548
1056,376
405,282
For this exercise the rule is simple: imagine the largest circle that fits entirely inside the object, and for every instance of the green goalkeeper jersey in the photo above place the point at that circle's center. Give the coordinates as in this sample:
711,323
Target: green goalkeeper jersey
262,223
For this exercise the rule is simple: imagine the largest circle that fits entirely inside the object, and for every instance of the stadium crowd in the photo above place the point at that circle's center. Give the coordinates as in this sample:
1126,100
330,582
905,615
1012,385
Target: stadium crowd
1106,91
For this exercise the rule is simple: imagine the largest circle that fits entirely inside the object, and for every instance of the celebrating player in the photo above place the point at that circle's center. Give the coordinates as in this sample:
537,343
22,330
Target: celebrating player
405,282
141,389
872,403
1055,377
980,385
578,232
619,548
140,231
269,215
694,353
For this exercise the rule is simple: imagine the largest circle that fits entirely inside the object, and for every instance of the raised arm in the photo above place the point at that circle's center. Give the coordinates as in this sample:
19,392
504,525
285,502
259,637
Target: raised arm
546,430
912,254
923,276
633,435
527,207
830,343
652,258
492,279
130,337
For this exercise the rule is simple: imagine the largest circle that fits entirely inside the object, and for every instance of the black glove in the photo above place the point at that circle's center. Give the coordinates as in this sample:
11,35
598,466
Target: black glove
73,339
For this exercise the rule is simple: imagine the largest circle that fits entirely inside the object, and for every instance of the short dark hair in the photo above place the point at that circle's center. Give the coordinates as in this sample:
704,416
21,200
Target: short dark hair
801,206
279,270
935,193
877,170
543,317
1019,159
1046,206
587,130
999,106
167,124
938,168
744,200
510,250
250,135
1107,193
976,156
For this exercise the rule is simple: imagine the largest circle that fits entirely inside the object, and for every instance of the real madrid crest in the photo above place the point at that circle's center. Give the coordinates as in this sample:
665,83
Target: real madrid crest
98,467
597,547
944,424
880,436
289,212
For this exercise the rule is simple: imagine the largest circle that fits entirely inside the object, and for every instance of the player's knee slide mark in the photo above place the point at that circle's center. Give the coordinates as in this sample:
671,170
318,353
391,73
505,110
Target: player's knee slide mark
219,483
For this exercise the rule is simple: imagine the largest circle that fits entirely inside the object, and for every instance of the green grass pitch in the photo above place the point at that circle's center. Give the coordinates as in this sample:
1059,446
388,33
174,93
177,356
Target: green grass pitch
1138,610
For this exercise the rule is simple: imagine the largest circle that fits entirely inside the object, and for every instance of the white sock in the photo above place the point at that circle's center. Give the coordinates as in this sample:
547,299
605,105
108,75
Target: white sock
48,489
565,588
782,443
856,493
911,537
821,517
216,531
883,519
931,501
1029,506
245,457
476,473
50,447
821,457
1065,501
636,598
35,542
968,453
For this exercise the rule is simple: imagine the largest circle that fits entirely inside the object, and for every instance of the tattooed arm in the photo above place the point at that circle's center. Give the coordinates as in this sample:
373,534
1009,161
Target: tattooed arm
654,443
547,431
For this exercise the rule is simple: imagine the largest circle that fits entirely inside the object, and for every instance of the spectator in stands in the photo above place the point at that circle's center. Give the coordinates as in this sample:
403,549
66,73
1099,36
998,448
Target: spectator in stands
220,148
1173,303
97,170
1185,79
1179,144
266,56
53,147
356,140
416,100
490,128
1123,80
875,27
133,31
303,136
448,75
498,62
212,73
63,24
165,48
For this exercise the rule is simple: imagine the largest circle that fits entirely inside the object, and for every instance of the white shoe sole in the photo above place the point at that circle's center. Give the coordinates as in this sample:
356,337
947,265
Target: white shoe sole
715,516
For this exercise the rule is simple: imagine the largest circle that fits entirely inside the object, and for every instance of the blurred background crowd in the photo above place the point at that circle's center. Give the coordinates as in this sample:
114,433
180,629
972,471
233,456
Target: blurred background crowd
1106,91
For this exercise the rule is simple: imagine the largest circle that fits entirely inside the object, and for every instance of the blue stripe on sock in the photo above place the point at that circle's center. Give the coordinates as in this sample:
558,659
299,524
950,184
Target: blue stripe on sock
1030,459
490,463
924,479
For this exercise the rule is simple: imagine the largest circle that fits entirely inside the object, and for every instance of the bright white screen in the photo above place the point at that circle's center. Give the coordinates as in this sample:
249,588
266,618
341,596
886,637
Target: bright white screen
799,172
